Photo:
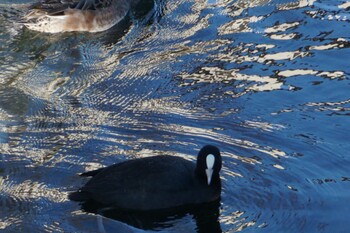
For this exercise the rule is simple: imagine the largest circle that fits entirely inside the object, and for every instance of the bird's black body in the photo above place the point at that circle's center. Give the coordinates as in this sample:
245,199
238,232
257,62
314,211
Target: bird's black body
152,183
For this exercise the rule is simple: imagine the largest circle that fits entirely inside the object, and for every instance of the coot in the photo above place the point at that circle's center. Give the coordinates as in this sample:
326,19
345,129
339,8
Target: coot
156,182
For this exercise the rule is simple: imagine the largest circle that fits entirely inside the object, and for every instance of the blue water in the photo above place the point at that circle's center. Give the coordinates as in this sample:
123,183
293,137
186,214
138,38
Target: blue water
265,81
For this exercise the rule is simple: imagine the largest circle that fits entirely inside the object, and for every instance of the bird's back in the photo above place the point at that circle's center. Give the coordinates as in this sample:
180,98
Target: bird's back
149,183
76,15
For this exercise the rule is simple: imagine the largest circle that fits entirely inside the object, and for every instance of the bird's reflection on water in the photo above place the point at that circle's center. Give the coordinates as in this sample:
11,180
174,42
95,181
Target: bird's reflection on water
205,216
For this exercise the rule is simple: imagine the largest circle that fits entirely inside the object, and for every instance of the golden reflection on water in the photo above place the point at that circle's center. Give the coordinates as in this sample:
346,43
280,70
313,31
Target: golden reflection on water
30,190
214,136
340,108
281,27
216,74
296,4
237,219
345,5
300,72
338,43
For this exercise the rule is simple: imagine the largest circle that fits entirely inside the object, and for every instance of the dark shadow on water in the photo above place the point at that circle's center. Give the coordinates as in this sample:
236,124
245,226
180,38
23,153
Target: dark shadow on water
141,9
142,12
205,215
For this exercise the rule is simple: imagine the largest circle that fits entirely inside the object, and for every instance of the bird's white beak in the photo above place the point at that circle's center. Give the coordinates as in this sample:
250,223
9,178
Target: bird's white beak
209,173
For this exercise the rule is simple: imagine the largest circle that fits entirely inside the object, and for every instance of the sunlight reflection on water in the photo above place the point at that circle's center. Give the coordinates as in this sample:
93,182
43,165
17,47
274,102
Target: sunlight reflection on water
266,81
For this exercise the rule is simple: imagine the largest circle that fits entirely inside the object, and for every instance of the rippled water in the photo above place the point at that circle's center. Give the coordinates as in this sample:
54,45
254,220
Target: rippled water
266,81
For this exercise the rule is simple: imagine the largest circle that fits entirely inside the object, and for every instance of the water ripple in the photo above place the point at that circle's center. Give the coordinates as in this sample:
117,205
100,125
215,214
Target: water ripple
265,81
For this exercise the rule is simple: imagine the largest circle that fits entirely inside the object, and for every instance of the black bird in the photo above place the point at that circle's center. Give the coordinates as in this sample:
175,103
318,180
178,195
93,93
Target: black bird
157,182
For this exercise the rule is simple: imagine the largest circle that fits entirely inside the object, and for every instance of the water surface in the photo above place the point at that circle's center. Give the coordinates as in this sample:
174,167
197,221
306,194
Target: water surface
265,81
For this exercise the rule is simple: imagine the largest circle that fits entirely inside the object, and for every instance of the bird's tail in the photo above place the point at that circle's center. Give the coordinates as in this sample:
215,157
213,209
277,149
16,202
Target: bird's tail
79,196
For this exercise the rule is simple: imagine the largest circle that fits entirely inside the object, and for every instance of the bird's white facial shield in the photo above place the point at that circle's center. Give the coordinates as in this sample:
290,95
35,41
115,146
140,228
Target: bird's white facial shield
210,160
